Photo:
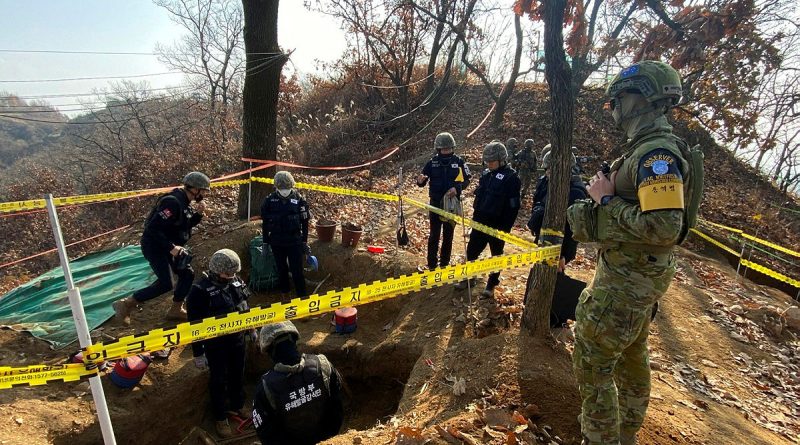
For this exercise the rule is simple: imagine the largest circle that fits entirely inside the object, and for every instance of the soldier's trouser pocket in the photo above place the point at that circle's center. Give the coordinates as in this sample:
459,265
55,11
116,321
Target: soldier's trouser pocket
603,322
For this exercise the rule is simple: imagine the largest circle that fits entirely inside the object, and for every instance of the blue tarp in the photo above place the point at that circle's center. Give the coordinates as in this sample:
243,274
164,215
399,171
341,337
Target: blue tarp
41,306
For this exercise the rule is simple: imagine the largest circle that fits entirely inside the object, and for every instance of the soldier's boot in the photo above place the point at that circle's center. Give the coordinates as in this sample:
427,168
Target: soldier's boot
176,312
123,309
224,428
461,285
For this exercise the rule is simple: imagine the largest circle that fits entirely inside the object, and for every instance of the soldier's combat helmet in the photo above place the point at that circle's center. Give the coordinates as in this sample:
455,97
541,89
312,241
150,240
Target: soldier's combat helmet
283,180
197,180
546,160
225,261
274,333
654,80
511,144
444,140
528,144
495,151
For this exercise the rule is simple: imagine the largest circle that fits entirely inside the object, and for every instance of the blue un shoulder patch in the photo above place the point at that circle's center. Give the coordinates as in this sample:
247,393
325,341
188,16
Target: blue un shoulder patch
659,181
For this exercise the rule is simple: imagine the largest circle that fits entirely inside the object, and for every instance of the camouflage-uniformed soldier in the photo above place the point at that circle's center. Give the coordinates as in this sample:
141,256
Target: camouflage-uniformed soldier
511,145
637,216
525,164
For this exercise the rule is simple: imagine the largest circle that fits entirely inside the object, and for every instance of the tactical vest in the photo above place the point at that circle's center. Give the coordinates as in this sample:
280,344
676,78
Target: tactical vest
444,175
283,219
691,169
227,299
181,231
299,399
493,195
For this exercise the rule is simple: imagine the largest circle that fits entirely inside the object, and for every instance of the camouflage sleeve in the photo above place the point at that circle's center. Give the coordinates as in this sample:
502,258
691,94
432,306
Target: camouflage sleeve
625,222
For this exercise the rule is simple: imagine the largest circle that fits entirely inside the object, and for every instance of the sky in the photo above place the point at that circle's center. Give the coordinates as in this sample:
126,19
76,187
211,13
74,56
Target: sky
124,26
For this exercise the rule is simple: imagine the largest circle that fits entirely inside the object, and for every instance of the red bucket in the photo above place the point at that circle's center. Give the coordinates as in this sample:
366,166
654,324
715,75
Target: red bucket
345,320
127,372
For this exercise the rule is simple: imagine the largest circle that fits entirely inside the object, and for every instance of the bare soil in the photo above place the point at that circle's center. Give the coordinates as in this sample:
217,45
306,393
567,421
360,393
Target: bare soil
408,354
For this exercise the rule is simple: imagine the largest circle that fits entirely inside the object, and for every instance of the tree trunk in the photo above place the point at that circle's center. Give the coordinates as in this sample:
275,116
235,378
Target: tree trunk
542,279
436,46
508,89
260,95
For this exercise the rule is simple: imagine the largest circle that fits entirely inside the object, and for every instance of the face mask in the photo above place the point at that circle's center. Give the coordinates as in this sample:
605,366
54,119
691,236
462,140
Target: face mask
222,281
198,198
623,110
285,192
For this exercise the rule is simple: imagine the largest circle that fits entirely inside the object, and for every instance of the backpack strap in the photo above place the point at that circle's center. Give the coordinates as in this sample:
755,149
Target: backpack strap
325,370
268,394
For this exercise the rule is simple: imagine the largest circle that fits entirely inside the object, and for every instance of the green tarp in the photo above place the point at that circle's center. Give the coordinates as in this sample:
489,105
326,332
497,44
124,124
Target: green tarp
41,306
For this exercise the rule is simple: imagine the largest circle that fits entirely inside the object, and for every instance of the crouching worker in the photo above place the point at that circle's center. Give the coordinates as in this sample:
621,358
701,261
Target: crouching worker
167,229
298,401
221,292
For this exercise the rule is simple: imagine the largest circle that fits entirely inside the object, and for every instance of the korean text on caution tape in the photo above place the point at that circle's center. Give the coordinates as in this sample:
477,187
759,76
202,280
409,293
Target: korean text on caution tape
43,374
186,333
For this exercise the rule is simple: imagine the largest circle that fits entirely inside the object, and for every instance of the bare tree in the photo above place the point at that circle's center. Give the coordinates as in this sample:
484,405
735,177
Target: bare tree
210,53
500,86
390,34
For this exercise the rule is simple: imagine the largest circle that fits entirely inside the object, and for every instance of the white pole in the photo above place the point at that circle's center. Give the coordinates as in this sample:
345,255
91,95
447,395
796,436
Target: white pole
249,190
84,339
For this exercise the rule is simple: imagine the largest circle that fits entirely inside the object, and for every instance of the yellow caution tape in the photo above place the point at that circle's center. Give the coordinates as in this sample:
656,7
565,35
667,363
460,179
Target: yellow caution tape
43,374
335,190
715,242
186,333
720,226
753,238
770,273
772,245
229,183
513,239
33,204
552,232
749,264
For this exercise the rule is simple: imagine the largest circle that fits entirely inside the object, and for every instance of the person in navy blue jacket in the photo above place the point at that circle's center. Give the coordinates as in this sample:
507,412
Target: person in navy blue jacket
447,176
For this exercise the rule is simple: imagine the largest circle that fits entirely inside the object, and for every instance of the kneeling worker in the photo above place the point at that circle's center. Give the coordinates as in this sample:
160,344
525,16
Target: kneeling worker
221,292
298,401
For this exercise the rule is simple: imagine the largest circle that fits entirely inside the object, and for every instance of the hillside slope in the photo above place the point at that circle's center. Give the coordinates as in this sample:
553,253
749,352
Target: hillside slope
725,368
